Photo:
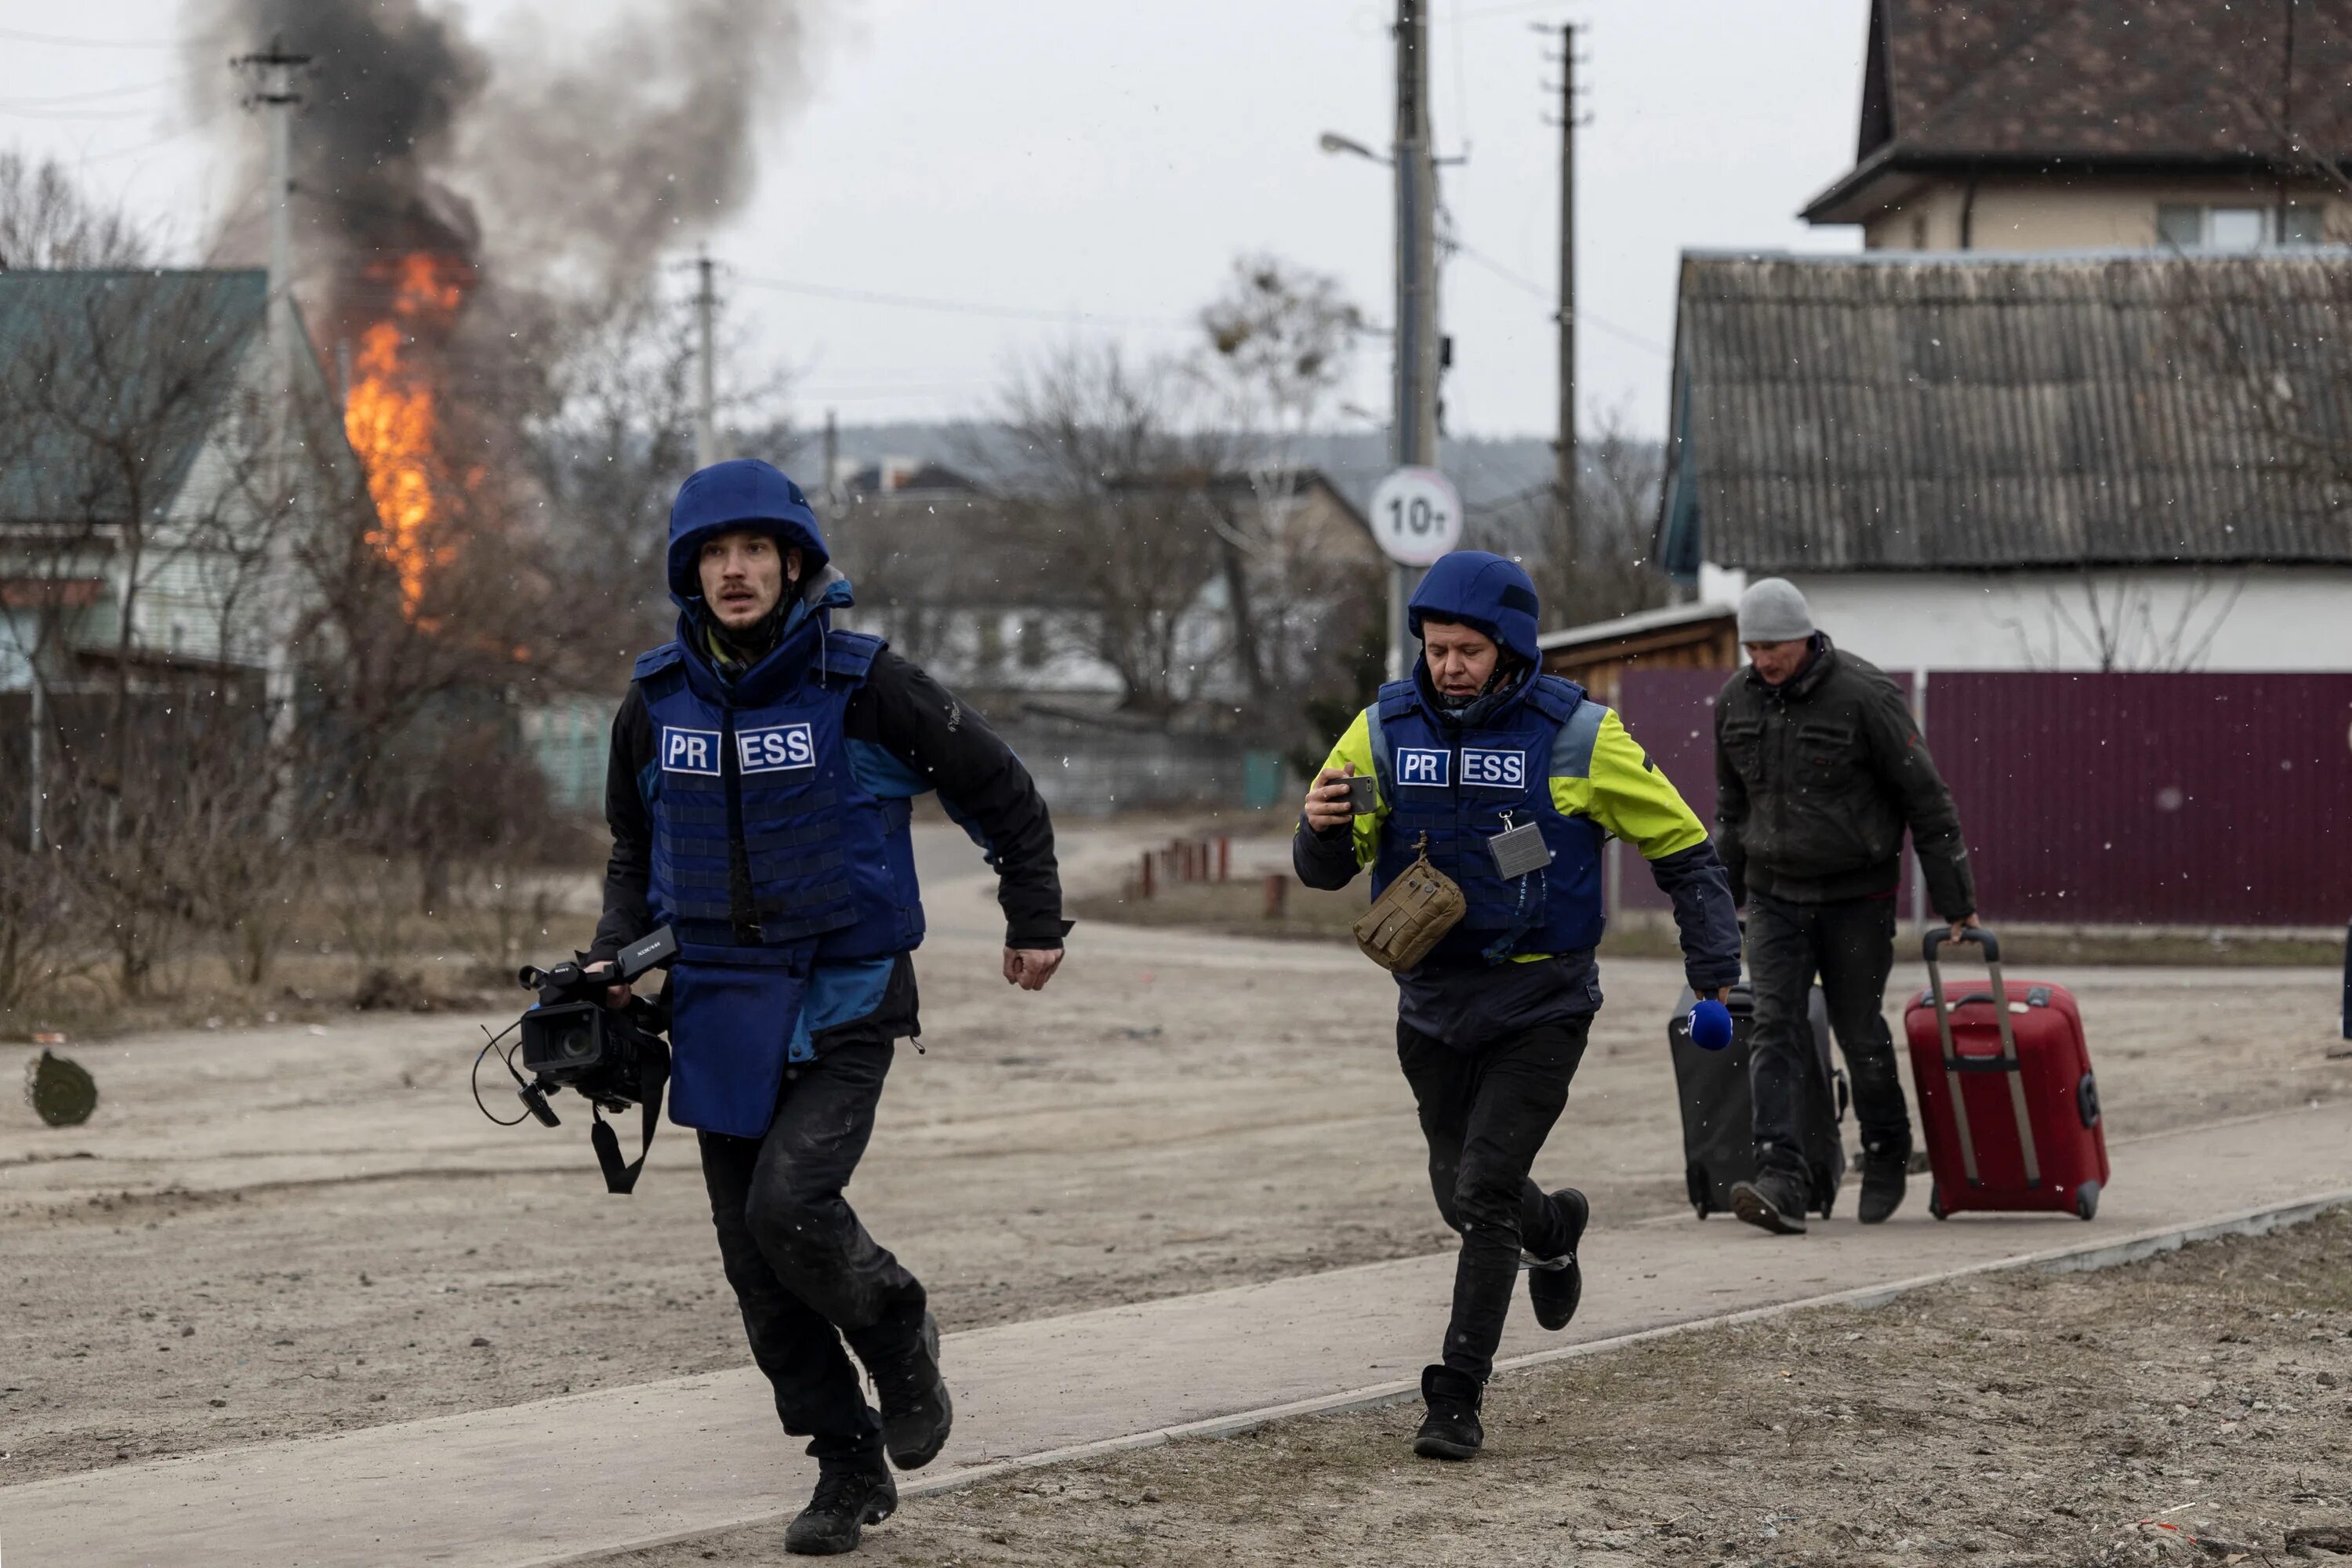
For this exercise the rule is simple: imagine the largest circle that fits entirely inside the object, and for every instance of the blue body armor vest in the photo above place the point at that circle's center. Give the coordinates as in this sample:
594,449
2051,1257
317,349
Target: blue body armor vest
832,863
1456,785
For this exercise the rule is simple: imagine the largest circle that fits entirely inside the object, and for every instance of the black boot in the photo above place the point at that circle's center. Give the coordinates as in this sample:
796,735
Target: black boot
1883,1169
1555,1285
1451,1429
1775,1201
916,1411
848,1499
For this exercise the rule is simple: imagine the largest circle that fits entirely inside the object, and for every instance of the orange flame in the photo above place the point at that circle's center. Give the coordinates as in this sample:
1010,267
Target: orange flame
390,418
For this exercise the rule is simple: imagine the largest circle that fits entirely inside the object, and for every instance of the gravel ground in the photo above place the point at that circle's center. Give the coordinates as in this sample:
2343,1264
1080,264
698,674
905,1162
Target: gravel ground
274,1232
2196,1407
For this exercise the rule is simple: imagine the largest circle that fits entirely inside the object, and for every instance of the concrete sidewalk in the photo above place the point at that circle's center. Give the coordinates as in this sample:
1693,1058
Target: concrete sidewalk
546,1482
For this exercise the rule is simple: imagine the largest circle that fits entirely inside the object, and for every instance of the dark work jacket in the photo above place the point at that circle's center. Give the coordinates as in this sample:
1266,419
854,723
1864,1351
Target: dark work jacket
1816,781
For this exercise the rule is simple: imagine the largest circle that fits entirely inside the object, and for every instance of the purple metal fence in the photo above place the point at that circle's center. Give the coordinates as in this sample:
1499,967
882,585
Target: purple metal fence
2155,799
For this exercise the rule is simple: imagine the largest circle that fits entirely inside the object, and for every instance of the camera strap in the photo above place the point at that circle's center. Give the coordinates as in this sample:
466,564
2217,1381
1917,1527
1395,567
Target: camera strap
653,1078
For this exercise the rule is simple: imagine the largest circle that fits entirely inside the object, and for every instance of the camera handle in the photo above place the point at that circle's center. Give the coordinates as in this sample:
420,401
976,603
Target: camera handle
653,1078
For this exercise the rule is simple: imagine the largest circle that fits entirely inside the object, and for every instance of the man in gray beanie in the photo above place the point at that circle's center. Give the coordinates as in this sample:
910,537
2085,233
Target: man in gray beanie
1819,770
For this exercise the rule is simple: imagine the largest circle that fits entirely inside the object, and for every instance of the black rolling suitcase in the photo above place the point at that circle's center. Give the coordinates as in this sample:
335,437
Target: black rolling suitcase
1719,1132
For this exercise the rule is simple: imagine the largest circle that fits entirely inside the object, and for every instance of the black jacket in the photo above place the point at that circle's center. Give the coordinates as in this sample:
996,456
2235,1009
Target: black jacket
1816,780
918,721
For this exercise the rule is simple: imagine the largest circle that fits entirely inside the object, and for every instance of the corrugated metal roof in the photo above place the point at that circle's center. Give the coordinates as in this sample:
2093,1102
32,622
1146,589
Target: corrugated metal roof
1892,411
110,380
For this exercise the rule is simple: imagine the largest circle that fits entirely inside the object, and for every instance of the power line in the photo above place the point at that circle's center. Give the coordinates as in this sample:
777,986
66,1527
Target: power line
964,307
56,114
1540,292
1512,8
56,99
18,35
181,134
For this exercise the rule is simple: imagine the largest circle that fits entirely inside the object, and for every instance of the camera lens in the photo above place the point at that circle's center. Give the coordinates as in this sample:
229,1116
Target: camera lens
578,1042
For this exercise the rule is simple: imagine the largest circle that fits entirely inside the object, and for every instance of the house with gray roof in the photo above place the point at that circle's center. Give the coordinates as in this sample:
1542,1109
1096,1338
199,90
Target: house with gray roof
2077,124
147,509
2128,460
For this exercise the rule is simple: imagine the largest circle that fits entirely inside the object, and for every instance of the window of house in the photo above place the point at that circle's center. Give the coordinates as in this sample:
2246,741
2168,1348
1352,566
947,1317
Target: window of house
2180,226
1033,641
2238,229
992,640
1919,231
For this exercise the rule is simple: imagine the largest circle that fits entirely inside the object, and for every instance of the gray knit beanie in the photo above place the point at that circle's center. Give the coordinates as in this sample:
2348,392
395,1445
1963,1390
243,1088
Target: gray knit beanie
1773,611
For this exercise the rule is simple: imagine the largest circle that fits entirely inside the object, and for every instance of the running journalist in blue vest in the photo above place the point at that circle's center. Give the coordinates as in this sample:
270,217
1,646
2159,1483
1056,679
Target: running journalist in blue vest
763,771
1493,787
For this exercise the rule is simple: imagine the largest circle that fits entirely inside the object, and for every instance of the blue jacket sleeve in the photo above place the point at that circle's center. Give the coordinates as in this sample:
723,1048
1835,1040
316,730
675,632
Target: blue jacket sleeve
1696,880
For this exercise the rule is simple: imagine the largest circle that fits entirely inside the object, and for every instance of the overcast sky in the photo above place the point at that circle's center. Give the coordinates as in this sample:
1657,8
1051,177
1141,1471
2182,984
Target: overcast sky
1108,160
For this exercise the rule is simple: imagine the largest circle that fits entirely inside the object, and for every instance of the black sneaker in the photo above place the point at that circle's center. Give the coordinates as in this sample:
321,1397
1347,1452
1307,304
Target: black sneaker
1775,1201
1451,1429
916,1413
1555,1285
1882,1181
848,1499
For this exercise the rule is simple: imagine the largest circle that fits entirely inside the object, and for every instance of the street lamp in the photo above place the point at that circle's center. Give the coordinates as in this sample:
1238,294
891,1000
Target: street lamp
1332,142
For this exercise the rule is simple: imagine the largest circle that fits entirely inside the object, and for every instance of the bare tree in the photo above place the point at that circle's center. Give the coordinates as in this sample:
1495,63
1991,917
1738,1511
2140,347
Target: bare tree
1113,481
46,221
1604,571
1281,341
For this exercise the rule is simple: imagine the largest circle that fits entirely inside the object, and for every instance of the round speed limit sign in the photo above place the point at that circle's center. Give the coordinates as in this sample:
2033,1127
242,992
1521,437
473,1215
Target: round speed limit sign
1416,516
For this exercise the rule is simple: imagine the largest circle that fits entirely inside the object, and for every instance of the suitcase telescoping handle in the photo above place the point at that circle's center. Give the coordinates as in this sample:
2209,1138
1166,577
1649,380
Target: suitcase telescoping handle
2008,1063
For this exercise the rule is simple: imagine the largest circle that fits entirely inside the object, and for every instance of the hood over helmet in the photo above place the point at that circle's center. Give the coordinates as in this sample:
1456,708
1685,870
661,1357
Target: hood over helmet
742,492
1484,592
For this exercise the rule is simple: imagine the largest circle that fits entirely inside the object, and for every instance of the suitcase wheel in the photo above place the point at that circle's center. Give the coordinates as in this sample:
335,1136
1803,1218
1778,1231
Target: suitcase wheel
1697,1184
2086,1200
1935,1204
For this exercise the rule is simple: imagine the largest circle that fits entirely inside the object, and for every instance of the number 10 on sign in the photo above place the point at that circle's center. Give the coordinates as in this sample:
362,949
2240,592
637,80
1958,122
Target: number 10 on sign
1416,516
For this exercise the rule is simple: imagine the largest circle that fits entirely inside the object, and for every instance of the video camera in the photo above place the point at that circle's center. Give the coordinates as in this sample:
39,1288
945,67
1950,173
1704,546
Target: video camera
612,1058
571,1039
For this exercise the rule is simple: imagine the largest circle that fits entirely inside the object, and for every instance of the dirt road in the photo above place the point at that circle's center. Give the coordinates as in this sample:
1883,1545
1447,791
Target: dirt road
280,1231
2195,1408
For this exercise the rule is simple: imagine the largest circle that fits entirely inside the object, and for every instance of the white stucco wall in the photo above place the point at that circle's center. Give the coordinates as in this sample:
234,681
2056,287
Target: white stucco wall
2253,618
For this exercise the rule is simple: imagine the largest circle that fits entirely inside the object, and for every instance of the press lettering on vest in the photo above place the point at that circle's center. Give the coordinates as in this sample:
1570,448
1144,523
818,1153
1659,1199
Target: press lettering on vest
1494,770
787,748
689,751
1424,765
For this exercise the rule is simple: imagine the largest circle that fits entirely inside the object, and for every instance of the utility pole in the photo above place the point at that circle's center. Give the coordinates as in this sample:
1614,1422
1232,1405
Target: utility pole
1416,287
37,774
273,78
831,484
1564,452
274,83
706,417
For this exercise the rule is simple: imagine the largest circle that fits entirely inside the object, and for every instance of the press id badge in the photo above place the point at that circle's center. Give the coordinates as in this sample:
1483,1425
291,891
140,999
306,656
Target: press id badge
1520,849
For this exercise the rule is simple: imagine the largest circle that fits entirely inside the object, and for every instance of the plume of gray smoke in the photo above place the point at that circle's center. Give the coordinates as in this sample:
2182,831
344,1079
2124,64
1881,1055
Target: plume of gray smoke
373,147
566,161
599,159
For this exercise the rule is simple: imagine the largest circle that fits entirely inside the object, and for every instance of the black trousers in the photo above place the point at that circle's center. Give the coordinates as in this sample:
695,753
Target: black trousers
806,1272
1851,945
1485,1114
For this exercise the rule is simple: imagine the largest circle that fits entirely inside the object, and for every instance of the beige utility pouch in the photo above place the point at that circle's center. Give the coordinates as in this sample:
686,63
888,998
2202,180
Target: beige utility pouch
1411,915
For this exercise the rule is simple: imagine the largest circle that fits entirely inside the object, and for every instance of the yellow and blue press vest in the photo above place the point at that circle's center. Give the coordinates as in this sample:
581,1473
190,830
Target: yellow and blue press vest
1550,755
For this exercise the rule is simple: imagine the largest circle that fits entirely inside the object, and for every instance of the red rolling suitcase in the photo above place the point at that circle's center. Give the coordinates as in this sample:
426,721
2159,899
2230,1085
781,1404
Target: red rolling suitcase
2006,1094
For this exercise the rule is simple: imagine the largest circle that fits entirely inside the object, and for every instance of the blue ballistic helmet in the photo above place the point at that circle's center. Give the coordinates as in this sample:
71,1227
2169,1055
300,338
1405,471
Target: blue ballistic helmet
742,492
1484,592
